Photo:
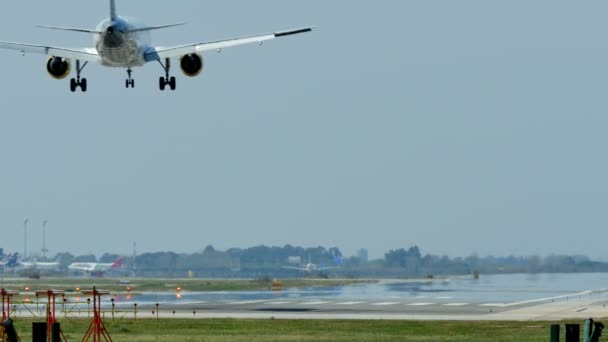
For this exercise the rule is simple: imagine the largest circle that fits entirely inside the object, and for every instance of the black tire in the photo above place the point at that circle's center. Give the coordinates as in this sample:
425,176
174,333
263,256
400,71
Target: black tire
162,83
132,83
73,85
126,83
83,85
172,83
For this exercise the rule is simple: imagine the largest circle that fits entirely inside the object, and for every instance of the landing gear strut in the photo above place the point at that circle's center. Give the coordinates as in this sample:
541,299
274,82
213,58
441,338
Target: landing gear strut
164,81
77,82
130,82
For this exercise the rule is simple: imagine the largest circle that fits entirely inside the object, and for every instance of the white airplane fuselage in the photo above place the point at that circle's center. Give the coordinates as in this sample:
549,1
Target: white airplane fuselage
118,47
311,268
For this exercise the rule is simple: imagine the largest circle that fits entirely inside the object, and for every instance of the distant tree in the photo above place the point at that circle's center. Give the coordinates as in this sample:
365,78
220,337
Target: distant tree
235,252
414,252
108,258
64,259
396,258
86,258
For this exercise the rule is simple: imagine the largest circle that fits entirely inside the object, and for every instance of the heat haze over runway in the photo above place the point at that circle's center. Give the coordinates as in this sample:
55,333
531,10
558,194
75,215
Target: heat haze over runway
500,297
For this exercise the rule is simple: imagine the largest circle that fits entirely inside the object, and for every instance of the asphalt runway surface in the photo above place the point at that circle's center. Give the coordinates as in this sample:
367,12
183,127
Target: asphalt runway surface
504,297
580,305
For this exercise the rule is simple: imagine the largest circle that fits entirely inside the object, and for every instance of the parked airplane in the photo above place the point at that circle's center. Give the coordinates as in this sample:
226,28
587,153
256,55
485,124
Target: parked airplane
10,261
123,43
95,269
46,266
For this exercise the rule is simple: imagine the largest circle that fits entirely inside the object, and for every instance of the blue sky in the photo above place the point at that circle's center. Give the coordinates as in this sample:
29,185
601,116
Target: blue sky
462,127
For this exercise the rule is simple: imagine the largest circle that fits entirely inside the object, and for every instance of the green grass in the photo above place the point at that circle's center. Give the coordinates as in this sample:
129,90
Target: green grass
305,330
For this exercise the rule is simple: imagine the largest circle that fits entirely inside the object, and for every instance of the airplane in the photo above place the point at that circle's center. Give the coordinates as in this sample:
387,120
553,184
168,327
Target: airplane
36,265
121,42
309,268
95,269
10,261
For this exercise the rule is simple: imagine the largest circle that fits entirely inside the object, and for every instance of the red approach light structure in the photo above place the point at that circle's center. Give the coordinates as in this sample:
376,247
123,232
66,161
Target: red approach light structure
51,304
97,330
6,308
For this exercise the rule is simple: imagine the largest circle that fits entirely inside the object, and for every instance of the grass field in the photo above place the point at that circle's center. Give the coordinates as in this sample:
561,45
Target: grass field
288,330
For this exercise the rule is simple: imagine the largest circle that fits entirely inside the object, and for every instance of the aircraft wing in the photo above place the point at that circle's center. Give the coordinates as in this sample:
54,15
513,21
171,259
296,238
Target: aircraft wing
159,53
294,268
87,54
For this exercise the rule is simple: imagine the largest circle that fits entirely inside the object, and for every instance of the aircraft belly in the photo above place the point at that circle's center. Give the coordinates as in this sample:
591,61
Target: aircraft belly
128,54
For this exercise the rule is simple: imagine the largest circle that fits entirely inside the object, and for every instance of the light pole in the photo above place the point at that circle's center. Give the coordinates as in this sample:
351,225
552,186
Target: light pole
134,258
25,237
44,250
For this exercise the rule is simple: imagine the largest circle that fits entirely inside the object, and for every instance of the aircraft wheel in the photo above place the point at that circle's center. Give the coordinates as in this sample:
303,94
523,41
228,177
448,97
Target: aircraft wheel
83,85
172,83
162,83
73,85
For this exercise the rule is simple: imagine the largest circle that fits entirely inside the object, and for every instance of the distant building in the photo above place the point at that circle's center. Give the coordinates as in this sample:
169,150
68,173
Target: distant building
363,255
294,260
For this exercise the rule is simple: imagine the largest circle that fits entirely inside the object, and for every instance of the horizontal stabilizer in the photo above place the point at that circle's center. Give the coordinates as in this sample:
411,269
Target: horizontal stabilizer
151,28
71,29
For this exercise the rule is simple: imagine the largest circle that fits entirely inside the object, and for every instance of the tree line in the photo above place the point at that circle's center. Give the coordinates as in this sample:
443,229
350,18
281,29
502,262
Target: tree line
271,261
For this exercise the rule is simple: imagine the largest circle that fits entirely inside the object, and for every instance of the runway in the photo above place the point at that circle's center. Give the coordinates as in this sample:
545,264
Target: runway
581,305
505,297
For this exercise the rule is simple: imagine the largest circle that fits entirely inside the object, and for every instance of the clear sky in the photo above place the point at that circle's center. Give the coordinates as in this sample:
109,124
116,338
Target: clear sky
459,126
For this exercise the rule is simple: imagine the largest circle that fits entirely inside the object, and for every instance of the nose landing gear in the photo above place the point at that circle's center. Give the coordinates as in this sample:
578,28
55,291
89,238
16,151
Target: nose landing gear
130,82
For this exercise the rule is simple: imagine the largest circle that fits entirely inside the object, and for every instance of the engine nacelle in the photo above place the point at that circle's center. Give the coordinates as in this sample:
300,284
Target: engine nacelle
58,67
192,64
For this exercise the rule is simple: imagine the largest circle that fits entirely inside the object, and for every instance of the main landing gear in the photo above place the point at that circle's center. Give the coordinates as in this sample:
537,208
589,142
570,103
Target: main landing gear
130,82
77,82
164,81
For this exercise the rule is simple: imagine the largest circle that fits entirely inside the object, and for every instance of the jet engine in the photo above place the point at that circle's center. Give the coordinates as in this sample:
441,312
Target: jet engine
58,67
192,64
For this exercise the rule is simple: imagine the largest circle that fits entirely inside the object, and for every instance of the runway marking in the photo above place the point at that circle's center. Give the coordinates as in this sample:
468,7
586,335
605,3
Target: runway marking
420,304
494,304
456,304
385,303
313,303
549,298
350,303
245,302
447,297
276,303
420,297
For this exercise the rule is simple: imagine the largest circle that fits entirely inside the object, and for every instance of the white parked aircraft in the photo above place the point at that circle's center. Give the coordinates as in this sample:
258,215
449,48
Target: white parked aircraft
123,43
43,266
95,268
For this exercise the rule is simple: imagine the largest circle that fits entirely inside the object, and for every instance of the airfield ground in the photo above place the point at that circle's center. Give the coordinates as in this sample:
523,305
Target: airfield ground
301,319
154,285
305,330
